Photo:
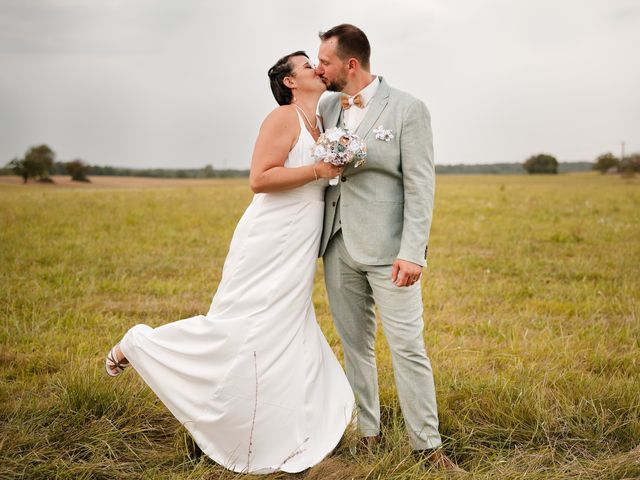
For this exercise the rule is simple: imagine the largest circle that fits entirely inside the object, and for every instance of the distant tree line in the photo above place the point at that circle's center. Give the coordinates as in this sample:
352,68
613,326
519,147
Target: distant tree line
39,163
609,163
206,172
514,168
605,163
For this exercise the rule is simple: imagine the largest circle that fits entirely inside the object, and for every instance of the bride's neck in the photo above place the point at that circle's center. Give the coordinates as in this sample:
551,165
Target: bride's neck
308,103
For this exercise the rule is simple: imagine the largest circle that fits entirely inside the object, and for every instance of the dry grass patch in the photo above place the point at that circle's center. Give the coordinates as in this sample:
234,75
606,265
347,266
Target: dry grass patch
531,321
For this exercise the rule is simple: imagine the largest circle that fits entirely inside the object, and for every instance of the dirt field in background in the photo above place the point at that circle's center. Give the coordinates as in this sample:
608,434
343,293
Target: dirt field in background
117,182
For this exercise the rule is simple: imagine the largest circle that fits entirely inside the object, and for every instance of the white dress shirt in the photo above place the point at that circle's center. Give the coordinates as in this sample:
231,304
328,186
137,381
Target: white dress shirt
354,115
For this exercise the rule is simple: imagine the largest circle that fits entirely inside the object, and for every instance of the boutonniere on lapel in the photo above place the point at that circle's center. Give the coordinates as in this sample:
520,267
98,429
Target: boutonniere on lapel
382,134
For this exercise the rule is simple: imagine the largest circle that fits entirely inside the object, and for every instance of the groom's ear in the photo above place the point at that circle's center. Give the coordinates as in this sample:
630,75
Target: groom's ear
352,64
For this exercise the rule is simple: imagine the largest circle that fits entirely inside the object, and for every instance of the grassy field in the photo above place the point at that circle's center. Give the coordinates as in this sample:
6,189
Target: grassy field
532,323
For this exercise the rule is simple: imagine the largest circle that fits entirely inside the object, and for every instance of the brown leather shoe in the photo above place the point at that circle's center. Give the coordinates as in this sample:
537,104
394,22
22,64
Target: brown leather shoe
365,444
371,442
436,458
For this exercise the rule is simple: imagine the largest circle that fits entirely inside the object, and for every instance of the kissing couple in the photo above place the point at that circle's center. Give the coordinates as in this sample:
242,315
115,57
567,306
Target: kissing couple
254,381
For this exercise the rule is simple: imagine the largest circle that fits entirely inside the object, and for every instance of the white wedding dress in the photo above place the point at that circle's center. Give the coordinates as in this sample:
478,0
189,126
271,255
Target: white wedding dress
254,380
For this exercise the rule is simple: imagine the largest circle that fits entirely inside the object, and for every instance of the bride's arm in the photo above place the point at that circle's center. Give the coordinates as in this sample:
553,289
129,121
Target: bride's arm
278,134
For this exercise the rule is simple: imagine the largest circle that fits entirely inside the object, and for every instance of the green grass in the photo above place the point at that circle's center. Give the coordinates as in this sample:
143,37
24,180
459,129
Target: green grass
532,323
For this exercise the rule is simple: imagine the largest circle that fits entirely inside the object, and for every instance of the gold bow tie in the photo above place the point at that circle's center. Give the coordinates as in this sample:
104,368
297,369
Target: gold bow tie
346,104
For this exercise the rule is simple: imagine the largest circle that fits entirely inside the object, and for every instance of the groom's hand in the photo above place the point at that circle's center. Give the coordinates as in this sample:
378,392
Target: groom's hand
404,273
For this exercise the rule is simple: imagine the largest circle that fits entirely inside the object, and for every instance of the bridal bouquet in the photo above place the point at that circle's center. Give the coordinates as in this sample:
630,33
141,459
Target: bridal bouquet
340,147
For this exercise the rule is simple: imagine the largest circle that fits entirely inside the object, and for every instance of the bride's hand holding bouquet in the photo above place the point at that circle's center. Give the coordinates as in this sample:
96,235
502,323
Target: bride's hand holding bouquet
323,169
339,147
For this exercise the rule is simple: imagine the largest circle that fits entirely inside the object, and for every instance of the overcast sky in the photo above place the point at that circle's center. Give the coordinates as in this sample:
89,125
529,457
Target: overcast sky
181,84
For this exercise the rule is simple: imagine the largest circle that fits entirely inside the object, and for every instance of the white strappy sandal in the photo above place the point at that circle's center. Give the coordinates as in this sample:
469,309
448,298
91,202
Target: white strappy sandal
113,366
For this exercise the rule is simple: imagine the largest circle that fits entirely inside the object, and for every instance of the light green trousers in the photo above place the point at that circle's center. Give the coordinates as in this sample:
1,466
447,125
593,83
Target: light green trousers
354,289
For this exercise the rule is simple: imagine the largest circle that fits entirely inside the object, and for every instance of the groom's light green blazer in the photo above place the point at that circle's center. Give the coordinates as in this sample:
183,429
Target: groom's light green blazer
386,204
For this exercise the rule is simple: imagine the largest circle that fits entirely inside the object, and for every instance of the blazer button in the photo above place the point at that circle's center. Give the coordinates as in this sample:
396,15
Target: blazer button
333,204
344,179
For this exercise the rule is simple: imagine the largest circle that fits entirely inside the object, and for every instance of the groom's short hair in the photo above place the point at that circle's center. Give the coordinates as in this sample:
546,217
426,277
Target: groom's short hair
352,43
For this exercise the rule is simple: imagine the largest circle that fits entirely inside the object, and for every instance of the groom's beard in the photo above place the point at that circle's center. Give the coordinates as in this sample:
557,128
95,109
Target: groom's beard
338,84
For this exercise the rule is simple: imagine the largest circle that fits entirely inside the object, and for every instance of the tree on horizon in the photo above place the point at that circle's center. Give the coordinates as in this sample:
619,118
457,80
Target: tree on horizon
541,163
37,163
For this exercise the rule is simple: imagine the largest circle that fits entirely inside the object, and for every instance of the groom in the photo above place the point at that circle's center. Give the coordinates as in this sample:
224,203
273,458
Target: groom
374,243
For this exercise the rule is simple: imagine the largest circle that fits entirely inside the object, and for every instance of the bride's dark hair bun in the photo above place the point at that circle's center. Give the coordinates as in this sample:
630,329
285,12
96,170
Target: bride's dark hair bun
281,69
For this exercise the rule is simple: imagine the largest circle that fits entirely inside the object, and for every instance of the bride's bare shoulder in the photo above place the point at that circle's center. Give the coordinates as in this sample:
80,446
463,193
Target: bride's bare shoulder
282,117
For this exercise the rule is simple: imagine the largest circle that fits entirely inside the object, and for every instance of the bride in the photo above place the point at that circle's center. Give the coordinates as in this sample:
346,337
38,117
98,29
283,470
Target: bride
254,380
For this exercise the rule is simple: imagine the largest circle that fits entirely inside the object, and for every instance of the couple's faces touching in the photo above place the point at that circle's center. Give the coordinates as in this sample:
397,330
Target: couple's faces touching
331,68
303,75
331,73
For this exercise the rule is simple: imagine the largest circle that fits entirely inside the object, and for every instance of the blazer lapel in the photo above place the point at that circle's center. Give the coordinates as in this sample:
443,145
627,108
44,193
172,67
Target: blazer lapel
330,120
378,104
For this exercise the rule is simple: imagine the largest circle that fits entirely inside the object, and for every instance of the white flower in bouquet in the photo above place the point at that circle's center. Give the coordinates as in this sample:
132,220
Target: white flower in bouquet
319,152
340,147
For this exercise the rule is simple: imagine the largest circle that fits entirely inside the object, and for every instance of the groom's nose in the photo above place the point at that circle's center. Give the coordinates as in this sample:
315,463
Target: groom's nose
319,70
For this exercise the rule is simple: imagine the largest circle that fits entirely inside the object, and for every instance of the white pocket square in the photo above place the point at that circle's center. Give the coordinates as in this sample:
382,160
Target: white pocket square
382,134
